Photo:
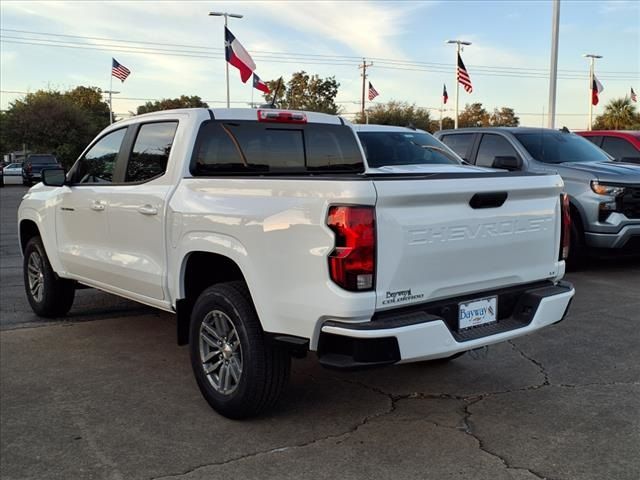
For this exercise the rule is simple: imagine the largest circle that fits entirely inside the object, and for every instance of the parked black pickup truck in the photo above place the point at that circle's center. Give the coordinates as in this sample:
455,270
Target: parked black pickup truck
34,164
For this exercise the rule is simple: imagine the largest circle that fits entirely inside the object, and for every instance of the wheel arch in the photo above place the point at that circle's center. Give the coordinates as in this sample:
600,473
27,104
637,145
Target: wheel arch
28,229
199,269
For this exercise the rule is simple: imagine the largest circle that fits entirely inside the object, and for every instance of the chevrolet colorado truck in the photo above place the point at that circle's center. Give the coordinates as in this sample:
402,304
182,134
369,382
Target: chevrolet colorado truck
269,235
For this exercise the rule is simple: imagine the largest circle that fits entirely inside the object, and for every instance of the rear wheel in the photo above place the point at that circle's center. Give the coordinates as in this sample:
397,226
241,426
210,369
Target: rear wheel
239,372
48,294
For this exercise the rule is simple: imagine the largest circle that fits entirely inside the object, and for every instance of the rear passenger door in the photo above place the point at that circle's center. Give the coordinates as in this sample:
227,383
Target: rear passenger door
461,143
137,212
492,146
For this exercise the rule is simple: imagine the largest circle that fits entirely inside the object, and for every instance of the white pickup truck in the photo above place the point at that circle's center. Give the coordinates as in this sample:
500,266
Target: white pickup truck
269,234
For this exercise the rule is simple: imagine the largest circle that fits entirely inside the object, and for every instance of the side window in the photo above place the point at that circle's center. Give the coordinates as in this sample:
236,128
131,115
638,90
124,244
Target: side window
596,140
492,146
150,152
459,143
619,148
98,163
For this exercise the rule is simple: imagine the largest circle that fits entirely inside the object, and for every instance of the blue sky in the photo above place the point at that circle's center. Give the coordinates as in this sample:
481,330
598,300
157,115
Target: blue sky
505,34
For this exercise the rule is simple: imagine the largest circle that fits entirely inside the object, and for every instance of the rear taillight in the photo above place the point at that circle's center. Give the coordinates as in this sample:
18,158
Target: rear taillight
281,117
352,263
28,168
565,232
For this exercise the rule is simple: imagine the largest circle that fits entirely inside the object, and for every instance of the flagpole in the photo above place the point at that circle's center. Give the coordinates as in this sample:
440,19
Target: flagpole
441,110
226,64
455,78
589,127
111,93
455,123
592,57
224,42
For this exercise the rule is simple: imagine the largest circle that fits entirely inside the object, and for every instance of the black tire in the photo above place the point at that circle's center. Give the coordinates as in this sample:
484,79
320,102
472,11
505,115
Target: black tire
264,366
57,294
577,248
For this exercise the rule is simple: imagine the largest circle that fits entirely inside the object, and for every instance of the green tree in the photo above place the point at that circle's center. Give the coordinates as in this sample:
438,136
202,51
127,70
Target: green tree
90,99
504,117
183,101
398,113
619,114
447,124
473,115
305,92
53,122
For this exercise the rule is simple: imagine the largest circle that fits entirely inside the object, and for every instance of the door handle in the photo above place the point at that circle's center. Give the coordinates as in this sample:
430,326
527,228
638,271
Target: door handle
148,210
97,206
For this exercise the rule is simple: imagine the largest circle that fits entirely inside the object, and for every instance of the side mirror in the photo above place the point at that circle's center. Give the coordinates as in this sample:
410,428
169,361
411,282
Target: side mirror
507,163
54,177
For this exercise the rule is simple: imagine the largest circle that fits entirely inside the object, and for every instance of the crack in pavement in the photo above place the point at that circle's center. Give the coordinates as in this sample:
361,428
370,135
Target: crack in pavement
541,369
334,436
465,426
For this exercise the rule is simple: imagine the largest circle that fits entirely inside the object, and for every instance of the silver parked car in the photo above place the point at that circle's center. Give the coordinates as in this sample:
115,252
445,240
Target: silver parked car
604,195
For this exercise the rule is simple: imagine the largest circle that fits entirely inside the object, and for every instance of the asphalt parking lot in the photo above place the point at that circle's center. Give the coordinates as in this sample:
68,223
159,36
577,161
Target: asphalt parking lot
106,393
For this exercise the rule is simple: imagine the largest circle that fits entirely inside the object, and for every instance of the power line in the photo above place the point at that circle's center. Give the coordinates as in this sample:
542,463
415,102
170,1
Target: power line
285,57
151,51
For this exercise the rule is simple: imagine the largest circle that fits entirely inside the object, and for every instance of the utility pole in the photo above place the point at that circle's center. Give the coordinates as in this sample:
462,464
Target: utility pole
553,70
364,67
226,15
592,60
459,48
110,92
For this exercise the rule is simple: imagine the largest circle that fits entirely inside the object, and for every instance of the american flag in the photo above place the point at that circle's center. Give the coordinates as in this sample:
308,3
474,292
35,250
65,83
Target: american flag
119,71
634,97
373,93
463,76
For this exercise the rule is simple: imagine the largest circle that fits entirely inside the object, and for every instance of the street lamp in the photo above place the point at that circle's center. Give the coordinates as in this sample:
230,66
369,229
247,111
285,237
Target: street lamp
226,16
110,92
457,84
592,58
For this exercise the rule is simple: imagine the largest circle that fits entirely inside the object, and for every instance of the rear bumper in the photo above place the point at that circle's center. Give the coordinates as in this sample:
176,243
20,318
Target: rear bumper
417,334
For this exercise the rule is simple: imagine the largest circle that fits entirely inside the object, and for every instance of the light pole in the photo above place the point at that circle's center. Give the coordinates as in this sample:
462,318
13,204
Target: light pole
458,49
110,92
553,71
592,60
226,16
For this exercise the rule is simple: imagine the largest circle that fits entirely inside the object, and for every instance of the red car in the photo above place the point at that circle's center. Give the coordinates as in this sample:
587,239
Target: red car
623,145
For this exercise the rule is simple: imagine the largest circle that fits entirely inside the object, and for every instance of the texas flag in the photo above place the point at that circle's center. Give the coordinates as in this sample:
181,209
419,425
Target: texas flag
260,85
596,89
445,96
237,56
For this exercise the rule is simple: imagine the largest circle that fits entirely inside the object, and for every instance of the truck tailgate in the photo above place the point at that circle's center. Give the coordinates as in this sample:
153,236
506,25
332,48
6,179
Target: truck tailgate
434,241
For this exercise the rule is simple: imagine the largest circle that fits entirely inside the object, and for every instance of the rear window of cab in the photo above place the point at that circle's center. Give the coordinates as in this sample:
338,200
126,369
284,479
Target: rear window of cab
252,148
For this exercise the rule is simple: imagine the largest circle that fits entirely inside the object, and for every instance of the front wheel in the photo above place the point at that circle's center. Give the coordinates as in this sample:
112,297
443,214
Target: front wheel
48,294
577,248
239,372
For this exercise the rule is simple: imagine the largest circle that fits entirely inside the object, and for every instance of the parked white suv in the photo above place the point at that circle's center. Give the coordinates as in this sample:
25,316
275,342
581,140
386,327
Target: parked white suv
268,235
